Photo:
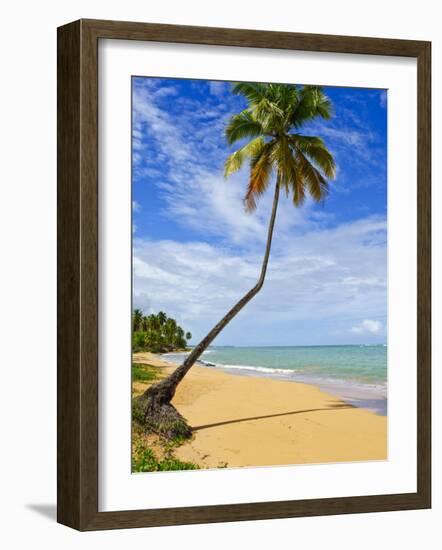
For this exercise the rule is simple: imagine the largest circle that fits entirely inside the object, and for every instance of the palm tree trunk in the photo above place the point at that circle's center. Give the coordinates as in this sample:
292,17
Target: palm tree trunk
156,400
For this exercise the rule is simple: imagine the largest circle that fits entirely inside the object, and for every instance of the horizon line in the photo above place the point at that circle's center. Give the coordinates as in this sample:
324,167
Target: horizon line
291,345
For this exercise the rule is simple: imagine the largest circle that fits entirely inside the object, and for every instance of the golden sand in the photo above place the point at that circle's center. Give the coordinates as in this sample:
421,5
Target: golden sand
252,421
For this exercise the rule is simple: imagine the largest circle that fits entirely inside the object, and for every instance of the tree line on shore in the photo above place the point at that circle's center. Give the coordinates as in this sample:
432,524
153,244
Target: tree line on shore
157,333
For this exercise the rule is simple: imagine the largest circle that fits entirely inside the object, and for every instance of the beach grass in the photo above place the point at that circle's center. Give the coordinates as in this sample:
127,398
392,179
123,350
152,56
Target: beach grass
142,372
151,453
144,459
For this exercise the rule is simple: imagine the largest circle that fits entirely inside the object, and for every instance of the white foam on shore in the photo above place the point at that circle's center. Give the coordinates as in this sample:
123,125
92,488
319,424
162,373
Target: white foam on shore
268,370
360,394
372,397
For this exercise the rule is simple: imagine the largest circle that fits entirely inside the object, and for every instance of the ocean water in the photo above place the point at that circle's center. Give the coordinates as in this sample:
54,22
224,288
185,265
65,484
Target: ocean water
356,373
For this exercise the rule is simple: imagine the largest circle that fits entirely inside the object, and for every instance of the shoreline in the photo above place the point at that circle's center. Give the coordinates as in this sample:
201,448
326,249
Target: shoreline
262,421
371,397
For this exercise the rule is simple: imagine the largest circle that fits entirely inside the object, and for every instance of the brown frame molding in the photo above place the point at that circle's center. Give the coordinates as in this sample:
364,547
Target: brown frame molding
77,224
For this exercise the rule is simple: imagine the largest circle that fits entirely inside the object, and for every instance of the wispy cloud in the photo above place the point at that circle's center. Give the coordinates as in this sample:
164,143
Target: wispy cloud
367,326
383,99
199,282
218,88
355,139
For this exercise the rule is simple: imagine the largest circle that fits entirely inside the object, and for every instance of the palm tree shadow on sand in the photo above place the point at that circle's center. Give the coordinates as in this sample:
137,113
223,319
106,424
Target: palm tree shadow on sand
332,407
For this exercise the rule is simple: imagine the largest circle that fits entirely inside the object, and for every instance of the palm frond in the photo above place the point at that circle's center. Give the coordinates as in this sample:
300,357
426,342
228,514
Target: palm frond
298,189
236,160
315,149
287,98
266,103
254,92
289,174
312,103
270,115
283,159
260,170
243,125
314,181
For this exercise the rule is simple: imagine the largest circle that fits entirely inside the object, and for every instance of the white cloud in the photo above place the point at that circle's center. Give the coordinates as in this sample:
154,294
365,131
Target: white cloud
148,117
198,282
218,88
368,326
383,99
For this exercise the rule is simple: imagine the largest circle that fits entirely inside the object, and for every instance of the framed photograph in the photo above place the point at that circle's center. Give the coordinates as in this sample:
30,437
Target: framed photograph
243,275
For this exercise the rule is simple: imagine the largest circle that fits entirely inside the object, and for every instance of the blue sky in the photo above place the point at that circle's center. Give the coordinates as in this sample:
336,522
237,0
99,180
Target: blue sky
196,252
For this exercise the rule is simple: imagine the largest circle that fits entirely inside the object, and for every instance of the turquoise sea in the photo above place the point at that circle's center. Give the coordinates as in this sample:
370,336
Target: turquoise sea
356,373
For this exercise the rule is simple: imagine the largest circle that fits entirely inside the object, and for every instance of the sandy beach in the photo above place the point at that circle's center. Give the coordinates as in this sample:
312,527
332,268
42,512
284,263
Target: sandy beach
259,421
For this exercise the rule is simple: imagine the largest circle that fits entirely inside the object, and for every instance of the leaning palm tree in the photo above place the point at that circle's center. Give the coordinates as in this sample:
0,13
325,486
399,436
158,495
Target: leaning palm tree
301,164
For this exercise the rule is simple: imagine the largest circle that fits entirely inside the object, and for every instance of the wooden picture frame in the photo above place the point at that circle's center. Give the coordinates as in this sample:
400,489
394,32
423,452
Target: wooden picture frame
78,274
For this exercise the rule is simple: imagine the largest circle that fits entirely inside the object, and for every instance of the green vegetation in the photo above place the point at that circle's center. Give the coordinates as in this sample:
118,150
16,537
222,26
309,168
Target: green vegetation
144,373
302,164
157,333
145,460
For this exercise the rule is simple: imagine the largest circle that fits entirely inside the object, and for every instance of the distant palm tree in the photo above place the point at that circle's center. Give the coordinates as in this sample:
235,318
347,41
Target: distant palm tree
179,340
188,336
137,320
302,165
144,324
152,322
169,330
162,317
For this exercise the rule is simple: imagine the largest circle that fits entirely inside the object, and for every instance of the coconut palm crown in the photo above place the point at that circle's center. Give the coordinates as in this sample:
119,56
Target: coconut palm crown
271,124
